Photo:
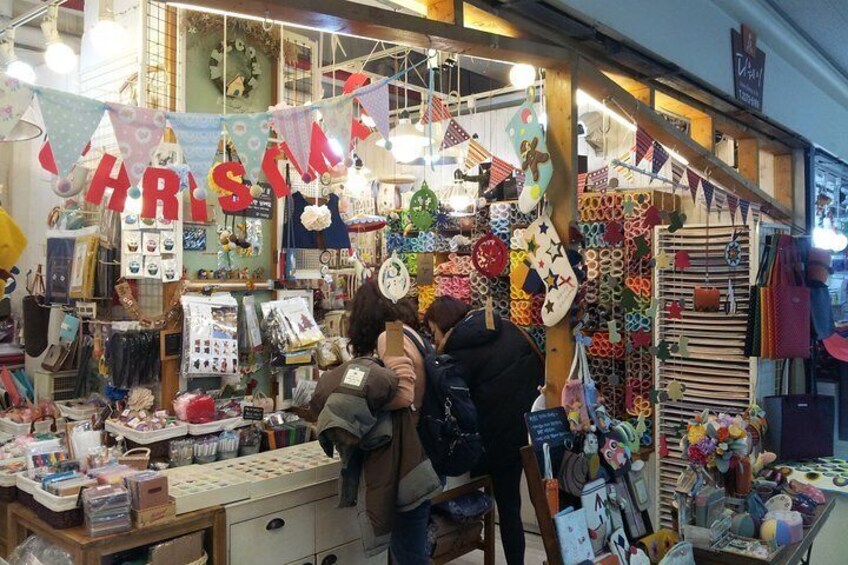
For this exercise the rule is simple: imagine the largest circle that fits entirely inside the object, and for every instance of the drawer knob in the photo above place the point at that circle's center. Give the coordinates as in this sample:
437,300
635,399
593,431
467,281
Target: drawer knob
275,524
329,560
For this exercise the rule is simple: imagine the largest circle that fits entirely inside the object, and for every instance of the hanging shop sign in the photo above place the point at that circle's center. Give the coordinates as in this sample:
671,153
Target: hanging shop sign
749,65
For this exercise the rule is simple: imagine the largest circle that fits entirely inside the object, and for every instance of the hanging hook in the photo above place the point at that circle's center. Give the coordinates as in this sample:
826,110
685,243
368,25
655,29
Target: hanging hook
267,23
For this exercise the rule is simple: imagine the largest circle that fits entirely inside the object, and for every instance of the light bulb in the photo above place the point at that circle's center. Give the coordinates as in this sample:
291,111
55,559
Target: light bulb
404,152
522,75
60,58
107,36
21,71
336,146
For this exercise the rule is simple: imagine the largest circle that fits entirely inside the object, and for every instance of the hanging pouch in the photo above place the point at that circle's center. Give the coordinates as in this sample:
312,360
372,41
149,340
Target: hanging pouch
573,472
707,299
573,399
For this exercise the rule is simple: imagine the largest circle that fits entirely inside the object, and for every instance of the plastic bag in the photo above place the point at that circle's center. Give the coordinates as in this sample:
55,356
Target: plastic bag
36,551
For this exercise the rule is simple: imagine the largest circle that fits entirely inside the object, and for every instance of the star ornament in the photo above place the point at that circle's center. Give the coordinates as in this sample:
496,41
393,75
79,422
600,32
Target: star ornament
675,310
662,260
532,245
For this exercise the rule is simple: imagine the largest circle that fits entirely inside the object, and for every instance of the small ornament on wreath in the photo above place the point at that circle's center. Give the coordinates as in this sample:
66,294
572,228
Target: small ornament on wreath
243,72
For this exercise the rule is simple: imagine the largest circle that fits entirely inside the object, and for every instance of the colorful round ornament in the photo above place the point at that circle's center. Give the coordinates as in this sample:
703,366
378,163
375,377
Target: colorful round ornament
490,255
393,278
733,252
423,208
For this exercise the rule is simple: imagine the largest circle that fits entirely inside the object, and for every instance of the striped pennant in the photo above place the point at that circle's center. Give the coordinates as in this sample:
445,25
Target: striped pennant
693,179
732,204
454,135
743,210
709,190
643,144
581,183
755,212
659,158
435,111
499,172
677,171
476,154
598,180
624,171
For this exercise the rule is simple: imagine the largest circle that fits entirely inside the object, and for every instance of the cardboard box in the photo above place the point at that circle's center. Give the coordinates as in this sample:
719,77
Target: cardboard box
148,489
184,549
154,515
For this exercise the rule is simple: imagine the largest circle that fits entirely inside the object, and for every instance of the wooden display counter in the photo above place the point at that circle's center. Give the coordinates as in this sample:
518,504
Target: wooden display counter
86,550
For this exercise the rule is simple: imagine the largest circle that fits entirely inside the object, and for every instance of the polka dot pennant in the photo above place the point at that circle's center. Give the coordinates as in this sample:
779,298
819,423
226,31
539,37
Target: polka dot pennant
295,126
15,97
250,135
337,119
528,140
375,100
139,132
198,136
69,121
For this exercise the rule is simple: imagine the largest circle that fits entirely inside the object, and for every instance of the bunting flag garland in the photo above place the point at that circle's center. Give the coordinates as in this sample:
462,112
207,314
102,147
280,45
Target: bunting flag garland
295,126
454,135
676,172
660,157
198,136
755,212
643,143
16,97
693,179
250,136
476,154
376,103
139,132
718,200
582,178
598,179
743,210
732,204
708,189
69,121
499,172
337,119
435,112
624,171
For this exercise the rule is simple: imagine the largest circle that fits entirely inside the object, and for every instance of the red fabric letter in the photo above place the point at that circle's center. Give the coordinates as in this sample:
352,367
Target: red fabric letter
240,197
103,179
154,177
272,172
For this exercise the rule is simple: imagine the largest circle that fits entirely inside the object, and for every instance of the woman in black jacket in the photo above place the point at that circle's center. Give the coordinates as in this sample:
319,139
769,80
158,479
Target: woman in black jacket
505,369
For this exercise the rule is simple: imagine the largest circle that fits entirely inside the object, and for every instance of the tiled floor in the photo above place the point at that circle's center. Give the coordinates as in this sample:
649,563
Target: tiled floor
534,555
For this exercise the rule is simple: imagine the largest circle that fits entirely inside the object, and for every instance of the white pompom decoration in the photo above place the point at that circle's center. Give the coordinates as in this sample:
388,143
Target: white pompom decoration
316,218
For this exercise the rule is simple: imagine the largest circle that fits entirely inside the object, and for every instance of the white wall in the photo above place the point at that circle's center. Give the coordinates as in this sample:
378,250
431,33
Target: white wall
802,91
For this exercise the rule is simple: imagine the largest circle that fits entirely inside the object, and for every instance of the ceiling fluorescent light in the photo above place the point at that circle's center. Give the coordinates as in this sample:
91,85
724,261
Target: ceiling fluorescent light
585,99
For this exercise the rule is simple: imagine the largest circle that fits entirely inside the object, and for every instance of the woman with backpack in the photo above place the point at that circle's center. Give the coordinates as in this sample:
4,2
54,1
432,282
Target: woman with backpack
370,311
504,369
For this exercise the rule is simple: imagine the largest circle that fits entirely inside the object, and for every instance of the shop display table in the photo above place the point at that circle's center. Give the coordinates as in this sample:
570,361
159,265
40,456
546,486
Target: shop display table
85,550
791,555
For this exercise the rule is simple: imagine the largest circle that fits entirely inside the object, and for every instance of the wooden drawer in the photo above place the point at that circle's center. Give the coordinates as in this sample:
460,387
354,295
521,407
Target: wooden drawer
334,526
349,554
279,537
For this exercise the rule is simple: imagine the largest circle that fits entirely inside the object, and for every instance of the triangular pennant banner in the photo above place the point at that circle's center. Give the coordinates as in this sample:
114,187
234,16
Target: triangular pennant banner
499,172
15,98
198,136
660,158
598,179
337,118
743,210
436,111
718,200
581,183
676,171
476,154
250,136
624,171
643,143
375,100
295,126
139,132
732,204
693,179
708,192
70,121
755,212
454,135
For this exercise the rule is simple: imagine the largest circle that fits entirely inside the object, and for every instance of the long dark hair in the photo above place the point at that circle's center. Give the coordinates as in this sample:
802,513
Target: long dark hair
369,313
446,312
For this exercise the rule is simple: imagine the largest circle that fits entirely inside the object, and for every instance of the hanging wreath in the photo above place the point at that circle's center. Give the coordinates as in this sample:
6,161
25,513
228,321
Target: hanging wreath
242,66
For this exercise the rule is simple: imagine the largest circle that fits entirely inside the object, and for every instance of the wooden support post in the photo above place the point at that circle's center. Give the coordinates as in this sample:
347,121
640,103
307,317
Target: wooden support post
169,371
784,180
561,89
748,159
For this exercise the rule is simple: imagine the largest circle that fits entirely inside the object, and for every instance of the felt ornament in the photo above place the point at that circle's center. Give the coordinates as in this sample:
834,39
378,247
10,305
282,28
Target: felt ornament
675,310
629,206
676,391
733,252
628,299
651,311
683,346
553,267
652,217
682,261
490,255
423,208
640,338
393,278
676,221
15,98
661,351
662,260
614,336
528,141
643,248
614,233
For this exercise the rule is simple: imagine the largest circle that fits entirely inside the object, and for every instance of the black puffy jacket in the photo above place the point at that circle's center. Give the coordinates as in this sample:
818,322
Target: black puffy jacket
505,370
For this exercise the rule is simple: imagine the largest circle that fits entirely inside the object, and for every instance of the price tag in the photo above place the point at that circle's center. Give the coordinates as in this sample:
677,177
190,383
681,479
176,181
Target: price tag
424,274
252,413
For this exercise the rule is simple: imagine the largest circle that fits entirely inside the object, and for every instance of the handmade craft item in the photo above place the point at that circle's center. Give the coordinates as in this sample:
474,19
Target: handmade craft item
423,208
490,255
528,141
393,278
549,259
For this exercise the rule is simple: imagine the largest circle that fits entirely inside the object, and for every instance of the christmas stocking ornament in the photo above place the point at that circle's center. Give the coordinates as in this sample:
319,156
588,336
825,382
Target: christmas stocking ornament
549,259
528,140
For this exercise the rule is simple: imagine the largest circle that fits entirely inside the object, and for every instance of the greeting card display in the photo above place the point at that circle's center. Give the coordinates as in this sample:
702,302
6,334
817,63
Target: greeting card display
150,248
210,330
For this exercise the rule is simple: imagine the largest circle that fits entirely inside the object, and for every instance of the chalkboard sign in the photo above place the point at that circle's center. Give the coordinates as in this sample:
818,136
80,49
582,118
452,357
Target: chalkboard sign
261,208
170,344
547,426
252,413
749,66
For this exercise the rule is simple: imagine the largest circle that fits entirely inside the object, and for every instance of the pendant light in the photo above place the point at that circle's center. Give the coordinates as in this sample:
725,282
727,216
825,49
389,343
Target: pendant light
107,34
14,66
60,58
